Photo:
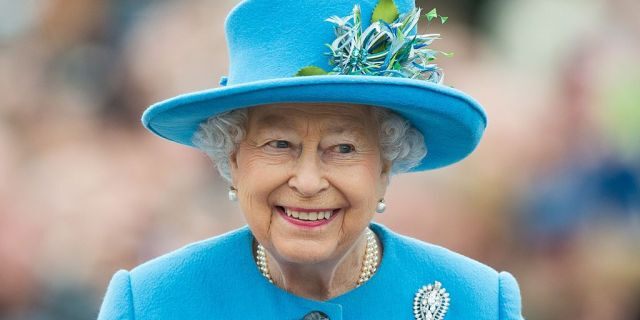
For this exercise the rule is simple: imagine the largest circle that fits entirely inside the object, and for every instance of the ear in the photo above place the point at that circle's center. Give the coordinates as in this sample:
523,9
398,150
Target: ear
233,165
385,174
233,160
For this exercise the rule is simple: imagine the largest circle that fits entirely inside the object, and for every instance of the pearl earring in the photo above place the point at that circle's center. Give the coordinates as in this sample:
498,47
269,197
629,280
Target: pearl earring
233,194
381,207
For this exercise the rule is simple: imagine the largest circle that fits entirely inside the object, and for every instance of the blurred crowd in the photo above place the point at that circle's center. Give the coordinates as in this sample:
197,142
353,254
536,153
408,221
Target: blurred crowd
552,193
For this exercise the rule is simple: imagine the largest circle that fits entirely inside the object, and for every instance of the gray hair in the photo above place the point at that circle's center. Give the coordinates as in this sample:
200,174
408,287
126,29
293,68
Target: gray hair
400,142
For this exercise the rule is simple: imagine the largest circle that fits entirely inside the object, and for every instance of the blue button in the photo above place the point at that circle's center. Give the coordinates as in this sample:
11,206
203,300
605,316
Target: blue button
316,315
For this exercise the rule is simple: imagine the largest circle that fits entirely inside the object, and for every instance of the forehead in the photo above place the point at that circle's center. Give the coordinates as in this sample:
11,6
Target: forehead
331,117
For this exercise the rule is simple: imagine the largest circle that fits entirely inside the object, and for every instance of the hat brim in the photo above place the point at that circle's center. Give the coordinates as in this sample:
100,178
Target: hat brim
451,121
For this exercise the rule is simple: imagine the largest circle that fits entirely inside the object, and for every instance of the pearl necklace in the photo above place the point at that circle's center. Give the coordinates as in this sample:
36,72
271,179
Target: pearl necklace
369,263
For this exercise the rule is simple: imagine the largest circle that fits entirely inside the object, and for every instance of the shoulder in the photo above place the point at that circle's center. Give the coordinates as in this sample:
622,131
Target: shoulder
429,257
470,283
199,264
167,284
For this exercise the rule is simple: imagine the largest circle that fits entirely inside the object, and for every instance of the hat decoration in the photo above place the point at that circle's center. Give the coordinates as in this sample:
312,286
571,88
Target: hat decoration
388,47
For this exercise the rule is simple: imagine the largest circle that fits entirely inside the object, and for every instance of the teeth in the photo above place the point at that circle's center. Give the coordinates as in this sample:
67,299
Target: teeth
309,216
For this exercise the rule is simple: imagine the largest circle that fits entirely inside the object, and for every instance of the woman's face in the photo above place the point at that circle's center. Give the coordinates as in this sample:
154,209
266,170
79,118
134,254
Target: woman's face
309,178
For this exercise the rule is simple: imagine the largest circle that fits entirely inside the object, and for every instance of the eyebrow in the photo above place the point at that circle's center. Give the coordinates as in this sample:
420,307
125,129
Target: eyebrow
285,123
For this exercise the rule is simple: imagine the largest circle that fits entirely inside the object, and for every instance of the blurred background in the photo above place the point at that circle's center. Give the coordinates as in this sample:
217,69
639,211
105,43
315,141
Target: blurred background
552,193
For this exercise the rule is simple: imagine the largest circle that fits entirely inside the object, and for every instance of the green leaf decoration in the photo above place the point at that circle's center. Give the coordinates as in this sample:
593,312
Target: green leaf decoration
444,19
447,54
388,47
311,71
386,11
432,14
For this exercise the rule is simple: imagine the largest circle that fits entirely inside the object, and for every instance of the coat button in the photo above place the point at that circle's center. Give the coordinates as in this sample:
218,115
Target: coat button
316,315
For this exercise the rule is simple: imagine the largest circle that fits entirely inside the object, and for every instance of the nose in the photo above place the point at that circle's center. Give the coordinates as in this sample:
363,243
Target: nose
308,178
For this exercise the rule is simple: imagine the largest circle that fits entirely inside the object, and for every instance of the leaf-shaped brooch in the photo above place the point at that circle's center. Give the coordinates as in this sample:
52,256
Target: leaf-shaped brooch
431,302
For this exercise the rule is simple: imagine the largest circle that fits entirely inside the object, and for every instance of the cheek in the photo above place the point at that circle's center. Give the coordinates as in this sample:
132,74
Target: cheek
255,171
363,186
256,180
366,178
253,202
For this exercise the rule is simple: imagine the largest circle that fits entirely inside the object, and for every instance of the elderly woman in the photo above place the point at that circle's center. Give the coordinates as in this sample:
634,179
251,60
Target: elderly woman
325,101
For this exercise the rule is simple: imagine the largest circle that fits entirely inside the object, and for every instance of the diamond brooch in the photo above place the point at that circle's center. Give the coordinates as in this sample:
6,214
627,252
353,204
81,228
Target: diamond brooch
431,302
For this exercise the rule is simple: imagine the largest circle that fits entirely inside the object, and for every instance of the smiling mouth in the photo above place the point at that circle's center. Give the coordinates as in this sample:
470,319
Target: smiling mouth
308,214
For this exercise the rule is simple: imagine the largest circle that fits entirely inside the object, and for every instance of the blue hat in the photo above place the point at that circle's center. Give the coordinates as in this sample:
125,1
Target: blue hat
334,51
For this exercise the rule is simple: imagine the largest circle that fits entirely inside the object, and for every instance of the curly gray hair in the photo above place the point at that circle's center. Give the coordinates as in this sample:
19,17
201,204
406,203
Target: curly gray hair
400,142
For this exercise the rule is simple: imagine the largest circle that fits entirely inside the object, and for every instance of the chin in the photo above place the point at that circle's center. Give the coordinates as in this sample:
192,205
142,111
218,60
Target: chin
304,251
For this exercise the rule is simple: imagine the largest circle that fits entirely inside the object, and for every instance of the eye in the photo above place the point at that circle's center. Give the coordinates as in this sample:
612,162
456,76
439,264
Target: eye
344,148
279,144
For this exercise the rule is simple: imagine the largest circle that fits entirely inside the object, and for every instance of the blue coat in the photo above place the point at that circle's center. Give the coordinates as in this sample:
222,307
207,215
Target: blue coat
218,279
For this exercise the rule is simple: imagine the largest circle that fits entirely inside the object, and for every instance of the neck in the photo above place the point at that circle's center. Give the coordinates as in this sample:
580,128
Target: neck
321,281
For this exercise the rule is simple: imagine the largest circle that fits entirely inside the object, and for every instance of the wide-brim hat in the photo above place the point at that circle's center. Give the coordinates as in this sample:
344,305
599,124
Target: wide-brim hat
271,41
